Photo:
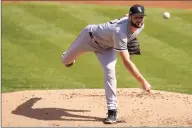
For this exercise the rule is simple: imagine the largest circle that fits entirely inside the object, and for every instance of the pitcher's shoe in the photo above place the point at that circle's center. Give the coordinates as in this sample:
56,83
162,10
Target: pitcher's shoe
112,117
69,65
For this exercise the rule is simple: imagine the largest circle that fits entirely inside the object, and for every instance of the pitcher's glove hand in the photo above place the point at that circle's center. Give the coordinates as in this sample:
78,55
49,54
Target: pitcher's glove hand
133,47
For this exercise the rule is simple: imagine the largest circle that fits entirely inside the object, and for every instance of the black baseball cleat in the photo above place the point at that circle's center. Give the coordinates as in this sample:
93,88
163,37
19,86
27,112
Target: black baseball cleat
69,65
112,117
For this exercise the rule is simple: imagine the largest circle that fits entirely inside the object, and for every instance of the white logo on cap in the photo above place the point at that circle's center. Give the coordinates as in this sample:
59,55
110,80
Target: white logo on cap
139,8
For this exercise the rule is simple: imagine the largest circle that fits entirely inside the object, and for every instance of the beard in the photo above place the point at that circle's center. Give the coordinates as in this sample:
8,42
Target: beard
137,24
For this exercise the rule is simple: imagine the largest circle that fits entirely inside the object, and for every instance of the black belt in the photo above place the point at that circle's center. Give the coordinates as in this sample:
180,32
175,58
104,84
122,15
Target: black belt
91,35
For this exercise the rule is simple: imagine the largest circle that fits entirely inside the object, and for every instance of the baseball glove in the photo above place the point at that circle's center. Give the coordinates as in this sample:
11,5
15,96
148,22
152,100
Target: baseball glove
133,47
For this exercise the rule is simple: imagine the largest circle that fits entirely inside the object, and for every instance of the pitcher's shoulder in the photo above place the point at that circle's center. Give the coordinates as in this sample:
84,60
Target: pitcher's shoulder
120,33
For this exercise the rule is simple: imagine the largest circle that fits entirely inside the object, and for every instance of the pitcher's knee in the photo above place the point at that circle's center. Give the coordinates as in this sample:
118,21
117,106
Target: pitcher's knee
109,72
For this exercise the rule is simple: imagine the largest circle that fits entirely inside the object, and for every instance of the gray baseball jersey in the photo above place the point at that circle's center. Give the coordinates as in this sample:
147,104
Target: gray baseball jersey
114,34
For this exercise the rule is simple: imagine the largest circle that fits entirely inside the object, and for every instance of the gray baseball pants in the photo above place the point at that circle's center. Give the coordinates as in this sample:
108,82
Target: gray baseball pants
106,57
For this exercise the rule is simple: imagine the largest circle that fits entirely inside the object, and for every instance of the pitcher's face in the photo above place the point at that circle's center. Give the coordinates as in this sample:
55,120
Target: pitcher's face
137,21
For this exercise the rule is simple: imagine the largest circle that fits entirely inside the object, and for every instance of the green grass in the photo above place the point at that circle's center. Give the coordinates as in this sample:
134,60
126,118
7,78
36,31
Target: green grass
34,35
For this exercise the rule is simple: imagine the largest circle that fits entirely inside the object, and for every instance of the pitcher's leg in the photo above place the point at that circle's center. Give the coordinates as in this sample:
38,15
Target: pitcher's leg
79,46
108,62
72,52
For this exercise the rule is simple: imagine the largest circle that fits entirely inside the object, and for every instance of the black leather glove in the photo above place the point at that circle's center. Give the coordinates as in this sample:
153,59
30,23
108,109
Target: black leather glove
133,47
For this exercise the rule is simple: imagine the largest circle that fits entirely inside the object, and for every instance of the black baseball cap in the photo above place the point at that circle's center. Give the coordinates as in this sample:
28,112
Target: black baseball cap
137,10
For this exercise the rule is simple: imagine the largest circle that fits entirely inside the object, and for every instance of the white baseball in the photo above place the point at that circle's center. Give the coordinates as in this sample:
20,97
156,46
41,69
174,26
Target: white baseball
166,15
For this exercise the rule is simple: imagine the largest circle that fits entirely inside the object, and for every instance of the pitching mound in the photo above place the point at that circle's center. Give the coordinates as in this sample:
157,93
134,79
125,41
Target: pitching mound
86,107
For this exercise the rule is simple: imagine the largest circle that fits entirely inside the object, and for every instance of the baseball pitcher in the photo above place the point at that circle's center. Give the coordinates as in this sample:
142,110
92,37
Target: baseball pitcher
106,40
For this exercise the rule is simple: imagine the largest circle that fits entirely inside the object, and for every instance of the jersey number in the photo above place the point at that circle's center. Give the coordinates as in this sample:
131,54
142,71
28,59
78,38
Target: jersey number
114,21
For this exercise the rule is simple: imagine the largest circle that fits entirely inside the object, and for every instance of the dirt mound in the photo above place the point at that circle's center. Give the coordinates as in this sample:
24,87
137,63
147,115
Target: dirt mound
85,107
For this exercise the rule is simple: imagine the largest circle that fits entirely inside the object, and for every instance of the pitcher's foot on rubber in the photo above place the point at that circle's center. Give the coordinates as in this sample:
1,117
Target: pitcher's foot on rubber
112,117
71,64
